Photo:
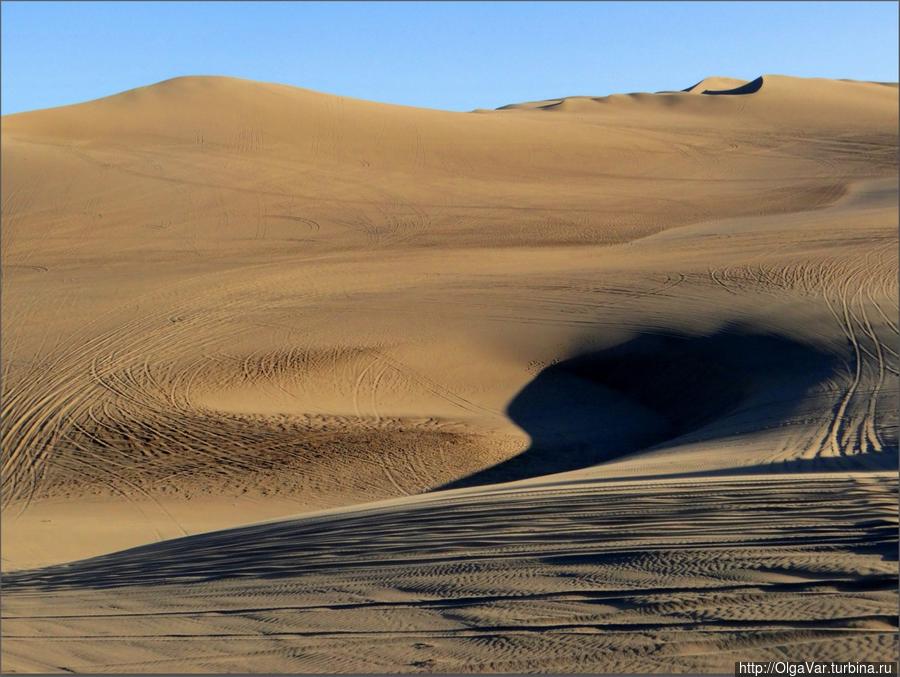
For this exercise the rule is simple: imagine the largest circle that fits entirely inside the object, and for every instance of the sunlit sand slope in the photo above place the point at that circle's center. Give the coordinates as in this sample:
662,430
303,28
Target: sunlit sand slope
621,371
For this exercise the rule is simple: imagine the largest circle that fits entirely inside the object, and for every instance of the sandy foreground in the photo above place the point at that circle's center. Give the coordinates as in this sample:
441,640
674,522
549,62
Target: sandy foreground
299,383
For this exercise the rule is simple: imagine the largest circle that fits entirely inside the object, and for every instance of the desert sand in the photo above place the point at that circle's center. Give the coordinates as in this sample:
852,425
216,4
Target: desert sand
299,383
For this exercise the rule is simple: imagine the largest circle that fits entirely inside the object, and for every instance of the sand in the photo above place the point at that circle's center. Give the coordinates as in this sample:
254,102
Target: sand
300,383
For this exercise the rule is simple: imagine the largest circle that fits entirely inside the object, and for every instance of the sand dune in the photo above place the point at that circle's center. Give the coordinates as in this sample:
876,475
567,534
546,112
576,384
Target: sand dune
585,384
718,84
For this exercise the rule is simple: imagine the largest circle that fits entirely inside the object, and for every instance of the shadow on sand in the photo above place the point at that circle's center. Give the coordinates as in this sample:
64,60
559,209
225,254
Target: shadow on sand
652,389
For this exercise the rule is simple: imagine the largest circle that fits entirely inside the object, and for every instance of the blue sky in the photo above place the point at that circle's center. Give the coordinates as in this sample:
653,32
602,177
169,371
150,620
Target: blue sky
449,55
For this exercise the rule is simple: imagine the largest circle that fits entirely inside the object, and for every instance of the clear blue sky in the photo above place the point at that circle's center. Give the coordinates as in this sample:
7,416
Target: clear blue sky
450,55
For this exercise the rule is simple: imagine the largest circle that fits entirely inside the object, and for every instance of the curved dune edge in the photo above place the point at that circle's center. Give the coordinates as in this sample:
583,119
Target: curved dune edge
748,88
716,83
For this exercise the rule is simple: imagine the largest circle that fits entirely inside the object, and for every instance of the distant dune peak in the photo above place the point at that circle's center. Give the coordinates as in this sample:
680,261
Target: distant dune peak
711,85
750,87
717,84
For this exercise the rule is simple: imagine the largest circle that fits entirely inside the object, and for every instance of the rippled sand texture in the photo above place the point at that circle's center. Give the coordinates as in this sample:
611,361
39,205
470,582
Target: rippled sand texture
580,385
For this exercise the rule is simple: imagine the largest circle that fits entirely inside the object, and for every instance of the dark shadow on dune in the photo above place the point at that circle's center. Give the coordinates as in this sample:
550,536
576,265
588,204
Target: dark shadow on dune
750,88
652,389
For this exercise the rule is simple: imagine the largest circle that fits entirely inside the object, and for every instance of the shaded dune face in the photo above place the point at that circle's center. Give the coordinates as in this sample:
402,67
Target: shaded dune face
654,389
716,83
750,88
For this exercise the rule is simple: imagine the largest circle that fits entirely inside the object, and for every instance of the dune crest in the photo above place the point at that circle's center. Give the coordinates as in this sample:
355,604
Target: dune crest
716,83
727,86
